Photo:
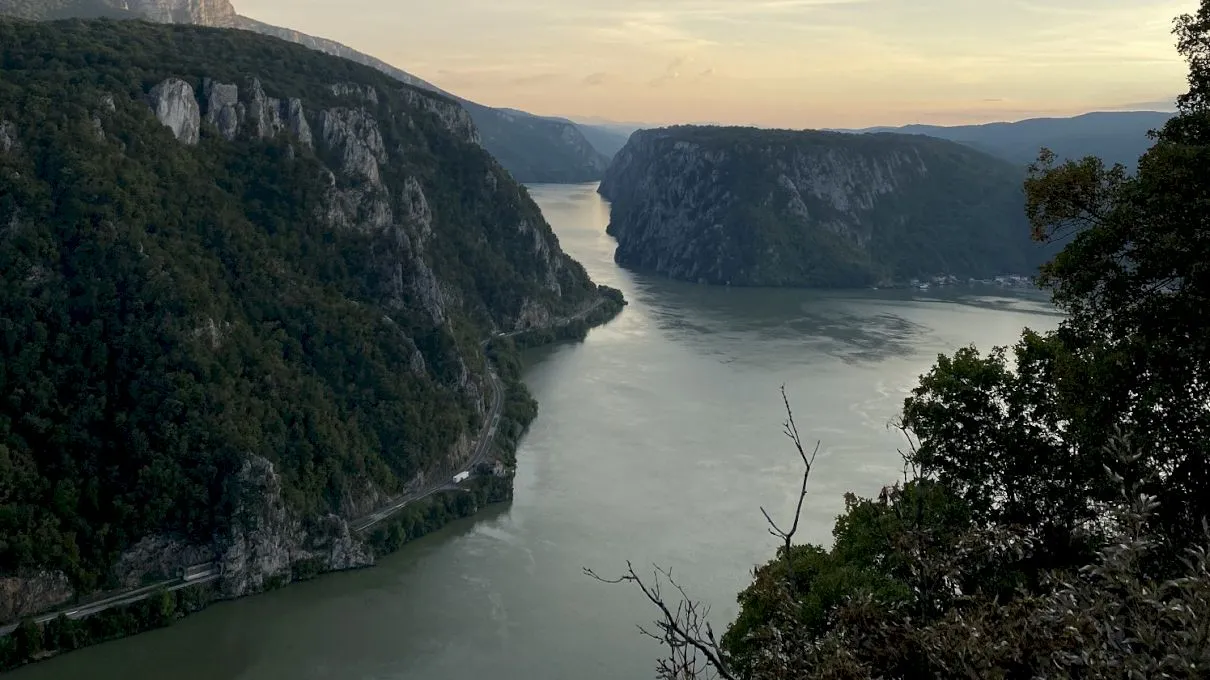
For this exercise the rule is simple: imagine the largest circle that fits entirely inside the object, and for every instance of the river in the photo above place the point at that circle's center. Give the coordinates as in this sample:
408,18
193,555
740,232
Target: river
658,439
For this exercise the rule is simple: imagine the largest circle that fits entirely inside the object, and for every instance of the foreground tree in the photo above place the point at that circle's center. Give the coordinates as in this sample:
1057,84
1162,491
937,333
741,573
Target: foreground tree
1053,521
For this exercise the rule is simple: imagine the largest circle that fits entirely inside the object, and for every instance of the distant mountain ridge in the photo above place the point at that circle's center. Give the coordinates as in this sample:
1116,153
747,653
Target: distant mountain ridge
1115,136
532,148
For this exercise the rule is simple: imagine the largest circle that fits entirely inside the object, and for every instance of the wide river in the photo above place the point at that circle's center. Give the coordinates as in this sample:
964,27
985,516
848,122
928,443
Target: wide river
658,440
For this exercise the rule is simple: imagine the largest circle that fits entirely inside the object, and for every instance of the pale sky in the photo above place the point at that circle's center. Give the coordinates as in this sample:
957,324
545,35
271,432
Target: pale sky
783,63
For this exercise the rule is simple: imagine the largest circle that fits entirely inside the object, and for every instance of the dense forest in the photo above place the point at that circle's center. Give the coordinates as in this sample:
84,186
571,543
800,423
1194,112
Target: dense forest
752,207
1052,518
168,310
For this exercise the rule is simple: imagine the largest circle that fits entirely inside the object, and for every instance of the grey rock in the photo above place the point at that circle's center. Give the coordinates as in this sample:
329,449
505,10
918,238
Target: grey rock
361,93
176,107
450,115
264,112
223,107
8,136
416,210
22,596
267,539
205,12
296,122
107,103
352,135
159,558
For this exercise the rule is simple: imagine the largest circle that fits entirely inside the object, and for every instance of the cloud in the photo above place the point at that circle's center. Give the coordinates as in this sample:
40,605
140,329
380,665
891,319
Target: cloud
671,72
535,79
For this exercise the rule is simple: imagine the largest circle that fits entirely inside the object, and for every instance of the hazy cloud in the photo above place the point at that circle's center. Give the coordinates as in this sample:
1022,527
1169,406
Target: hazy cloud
791,63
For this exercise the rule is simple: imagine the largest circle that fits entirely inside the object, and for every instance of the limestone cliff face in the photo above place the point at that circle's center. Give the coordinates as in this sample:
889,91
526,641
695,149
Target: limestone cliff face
8,136
268,539
739,206
176,107
203,12
30,594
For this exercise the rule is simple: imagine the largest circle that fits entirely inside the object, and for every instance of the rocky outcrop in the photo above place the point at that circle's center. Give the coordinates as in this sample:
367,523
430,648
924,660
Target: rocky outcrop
452,117
266,117
218,13
361,93
268,540
176,107
740,206
223,107
296,121
25,596
353,136
159,558
8,136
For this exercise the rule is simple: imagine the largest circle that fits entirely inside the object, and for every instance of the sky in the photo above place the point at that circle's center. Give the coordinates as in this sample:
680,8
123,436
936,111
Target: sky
772,63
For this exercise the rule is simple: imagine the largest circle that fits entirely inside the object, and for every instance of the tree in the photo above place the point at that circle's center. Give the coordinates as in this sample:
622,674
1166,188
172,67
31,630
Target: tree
1132,355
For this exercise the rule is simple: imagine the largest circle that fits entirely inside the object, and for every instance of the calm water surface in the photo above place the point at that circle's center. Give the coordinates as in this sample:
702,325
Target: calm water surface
658,439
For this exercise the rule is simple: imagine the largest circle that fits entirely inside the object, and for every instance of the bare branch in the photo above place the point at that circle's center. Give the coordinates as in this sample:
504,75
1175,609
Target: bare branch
787,537
683,628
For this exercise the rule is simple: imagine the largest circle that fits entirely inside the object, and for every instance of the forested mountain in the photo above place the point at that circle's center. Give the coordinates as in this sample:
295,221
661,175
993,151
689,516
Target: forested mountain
532,148
244,290
751,207
1113,136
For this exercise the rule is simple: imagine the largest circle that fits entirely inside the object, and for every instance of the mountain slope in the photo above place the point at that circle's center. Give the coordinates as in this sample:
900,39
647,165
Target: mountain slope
244,287
532,148
1116,137
608,140
742,206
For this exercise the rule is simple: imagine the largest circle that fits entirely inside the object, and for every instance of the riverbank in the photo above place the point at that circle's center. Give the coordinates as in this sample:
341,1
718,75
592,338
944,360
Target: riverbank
489,484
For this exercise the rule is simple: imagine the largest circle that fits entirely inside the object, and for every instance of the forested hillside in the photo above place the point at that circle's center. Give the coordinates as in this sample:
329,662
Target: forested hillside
750,207
244,287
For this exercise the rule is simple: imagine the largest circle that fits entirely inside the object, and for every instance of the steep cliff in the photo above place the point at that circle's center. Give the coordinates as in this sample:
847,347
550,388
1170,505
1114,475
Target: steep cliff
532,148
243,291
748,207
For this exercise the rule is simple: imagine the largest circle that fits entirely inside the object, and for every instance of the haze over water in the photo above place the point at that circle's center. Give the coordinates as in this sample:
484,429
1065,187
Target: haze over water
657,440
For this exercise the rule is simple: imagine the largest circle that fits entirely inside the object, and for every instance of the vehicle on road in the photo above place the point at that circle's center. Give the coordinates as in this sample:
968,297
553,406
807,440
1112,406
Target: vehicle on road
461,477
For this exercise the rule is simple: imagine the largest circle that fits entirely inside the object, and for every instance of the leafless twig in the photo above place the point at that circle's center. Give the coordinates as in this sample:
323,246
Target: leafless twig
694,652
684,628
790,428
